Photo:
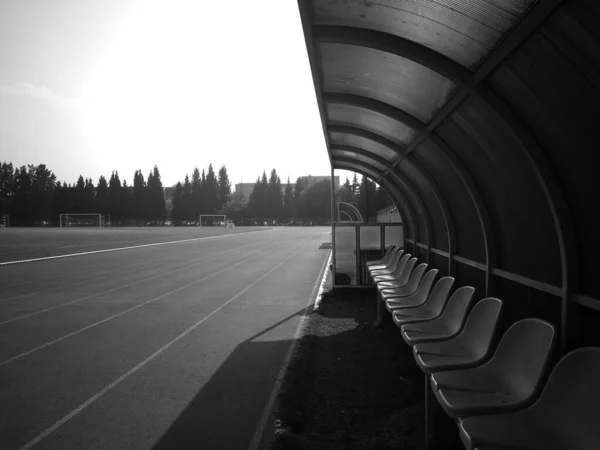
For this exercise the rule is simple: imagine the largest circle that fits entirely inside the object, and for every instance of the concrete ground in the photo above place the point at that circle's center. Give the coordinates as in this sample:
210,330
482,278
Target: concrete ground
166,346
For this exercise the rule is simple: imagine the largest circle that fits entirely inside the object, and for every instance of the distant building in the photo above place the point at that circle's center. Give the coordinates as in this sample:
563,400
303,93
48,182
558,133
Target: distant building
243,190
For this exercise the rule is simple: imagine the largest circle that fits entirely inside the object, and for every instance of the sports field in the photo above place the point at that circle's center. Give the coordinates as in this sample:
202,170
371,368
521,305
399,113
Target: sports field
175,340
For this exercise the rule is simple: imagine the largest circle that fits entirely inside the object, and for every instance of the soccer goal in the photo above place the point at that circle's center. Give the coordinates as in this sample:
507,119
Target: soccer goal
69,220
211,220
4,221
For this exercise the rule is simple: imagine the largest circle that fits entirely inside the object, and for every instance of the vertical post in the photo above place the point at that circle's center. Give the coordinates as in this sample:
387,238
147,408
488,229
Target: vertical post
366,187
357,251
429,414
333,262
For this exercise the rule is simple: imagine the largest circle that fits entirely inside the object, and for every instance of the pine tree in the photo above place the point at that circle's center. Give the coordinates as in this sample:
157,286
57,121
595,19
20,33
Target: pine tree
355,190
176,214
224,187
211,191
186,201
157,197
101,200
197,201
288,201
114,196
274,199
139,196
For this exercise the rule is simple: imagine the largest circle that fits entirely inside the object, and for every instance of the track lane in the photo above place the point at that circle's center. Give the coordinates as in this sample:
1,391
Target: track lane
139,269
72,369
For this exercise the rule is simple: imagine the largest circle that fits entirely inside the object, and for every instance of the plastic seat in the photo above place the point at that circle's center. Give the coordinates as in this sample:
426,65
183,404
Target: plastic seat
429,310
445,326
396,258
411,286
420,296
510,380
467,349
403,271
566,416
383,261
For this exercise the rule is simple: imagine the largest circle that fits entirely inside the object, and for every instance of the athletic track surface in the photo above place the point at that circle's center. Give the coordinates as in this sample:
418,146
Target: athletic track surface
169,346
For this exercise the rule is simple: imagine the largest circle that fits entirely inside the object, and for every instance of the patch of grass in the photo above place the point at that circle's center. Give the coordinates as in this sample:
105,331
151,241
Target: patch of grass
350,385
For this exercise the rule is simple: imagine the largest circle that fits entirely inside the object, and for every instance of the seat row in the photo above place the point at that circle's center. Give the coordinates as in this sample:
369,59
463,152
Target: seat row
497,397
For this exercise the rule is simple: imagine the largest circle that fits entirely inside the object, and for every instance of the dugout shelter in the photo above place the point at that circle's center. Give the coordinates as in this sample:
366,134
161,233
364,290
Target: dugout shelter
479,119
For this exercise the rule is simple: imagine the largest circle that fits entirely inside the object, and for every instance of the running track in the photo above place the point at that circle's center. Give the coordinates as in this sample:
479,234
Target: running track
169,346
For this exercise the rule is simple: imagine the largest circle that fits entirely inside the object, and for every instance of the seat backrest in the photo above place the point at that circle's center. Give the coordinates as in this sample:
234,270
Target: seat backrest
422,293
389,254
396,259
404,275
523,353
455,313
480,326
415,278
439,295
397,270
571,398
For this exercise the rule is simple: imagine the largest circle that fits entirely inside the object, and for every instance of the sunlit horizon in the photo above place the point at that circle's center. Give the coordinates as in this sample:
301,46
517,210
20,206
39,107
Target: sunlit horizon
178,85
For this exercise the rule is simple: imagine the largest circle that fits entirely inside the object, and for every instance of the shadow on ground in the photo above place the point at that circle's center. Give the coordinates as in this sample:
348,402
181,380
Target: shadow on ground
217,417
350,385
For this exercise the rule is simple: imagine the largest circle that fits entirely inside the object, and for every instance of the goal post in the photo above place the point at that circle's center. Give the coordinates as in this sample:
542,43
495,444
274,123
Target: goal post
68,220
214,220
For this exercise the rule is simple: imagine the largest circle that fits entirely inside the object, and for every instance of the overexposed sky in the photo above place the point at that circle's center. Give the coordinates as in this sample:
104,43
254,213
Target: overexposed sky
91,86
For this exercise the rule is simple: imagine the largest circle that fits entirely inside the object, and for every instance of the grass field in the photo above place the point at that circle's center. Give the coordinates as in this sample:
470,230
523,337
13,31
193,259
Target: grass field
173,345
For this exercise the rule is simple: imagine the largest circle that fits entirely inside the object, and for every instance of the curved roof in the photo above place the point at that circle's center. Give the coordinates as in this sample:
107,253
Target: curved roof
478,117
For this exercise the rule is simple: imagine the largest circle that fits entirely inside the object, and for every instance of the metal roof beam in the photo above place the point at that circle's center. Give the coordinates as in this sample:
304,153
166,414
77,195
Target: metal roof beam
455,162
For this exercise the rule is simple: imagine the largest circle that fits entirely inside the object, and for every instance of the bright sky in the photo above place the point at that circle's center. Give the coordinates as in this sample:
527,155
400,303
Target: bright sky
89,86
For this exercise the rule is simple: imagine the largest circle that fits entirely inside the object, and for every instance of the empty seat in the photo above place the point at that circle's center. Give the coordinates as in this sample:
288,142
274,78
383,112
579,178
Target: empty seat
566,416
429,310
402,273
411,286
393,264
383,261
445,326
510,380
401,296
467,349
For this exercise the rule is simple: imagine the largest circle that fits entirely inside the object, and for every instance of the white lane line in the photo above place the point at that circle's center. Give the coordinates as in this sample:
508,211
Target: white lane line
127,248
314,297
165,347
153,277
114,316
95,268
15,319
74,284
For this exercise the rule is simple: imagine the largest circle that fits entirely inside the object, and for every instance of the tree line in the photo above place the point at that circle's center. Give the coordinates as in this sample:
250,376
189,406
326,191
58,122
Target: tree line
304,199
31,195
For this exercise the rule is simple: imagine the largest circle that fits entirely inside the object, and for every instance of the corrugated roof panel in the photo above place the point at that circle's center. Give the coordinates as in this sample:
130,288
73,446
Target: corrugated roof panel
469,237
388,78
462,30
551,82
347,154
371,121
365,144
518,208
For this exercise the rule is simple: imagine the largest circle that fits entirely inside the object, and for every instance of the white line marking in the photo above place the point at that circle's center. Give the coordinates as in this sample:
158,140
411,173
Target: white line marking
15,319
126,375
95,324
266,412
79,282
127,248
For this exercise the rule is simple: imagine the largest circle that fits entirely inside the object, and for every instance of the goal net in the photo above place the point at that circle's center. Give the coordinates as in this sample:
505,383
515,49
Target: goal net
208,220
4,221
82,220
